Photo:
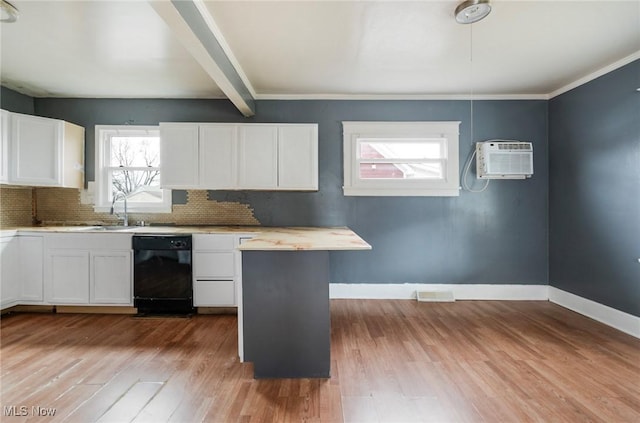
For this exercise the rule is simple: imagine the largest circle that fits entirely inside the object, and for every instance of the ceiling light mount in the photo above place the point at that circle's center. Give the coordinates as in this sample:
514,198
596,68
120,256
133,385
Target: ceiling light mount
470,11
8,12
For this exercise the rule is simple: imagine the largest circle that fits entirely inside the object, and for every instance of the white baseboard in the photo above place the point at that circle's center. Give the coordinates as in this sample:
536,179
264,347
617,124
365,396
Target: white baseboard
620,320
407,291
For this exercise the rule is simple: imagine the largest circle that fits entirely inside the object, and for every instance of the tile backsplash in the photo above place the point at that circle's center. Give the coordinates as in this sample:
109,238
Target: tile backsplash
16,206
62,206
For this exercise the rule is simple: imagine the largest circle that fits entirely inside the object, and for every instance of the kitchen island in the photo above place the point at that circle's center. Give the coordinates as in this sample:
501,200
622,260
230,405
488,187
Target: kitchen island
285,300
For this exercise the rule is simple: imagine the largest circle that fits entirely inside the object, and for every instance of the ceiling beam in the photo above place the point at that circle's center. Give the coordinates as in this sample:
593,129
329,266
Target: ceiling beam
194,26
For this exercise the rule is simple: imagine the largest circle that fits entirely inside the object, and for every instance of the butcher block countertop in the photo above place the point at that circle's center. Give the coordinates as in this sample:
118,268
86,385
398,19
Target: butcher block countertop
262,238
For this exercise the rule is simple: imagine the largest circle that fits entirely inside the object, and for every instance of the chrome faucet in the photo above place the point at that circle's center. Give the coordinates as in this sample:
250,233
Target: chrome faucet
124,198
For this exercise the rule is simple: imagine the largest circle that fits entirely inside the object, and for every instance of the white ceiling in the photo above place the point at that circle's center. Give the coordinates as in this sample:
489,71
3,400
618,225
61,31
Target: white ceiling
317,49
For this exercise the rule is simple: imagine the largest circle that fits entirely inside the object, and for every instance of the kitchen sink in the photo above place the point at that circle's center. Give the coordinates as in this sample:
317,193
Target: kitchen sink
110,228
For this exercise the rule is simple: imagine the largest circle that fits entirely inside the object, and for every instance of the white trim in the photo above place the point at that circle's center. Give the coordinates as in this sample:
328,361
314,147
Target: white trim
101,204
353,184
401,97
407,291
590,77
400,192
620,320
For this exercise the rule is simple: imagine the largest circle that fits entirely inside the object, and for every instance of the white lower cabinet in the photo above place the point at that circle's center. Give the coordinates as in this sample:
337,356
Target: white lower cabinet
69,276
90,269
9,271
21,279
110,277
215,293
215,275
31,269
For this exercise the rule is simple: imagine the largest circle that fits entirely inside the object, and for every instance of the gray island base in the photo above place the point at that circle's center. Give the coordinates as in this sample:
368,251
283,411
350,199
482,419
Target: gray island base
286,320
287,323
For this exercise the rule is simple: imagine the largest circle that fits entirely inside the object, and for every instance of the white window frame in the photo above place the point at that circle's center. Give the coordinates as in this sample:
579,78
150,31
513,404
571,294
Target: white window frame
448,186
102,191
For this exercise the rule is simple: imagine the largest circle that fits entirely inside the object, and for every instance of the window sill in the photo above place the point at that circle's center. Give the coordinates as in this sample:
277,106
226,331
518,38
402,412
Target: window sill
401,192
134,209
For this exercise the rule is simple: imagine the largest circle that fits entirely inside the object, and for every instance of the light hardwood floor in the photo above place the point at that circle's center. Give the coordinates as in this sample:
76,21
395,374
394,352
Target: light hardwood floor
392,361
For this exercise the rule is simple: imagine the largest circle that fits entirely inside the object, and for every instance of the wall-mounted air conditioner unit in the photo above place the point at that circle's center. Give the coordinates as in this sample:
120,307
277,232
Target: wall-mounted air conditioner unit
504,160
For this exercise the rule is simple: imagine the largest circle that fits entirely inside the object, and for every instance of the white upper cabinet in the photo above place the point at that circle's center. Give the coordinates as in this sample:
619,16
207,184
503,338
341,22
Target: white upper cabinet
44,152
36,150
298,157
4,148
179,155
258,157
218,156
239,156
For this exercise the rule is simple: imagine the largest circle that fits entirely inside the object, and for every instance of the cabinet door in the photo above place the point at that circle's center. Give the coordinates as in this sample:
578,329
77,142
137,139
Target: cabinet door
258,157
9,271
218,156
209,293
35,150
208,264
68,273
298,157
4,148
31,265
179,155
111,281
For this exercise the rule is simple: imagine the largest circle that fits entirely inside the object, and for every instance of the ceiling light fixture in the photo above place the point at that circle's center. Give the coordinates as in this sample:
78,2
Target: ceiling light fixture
471,11
8,12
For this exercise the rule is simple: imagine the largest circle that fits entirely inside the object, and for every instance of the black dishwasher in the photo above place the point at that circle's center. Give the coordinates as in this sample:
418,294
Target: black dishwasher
162,281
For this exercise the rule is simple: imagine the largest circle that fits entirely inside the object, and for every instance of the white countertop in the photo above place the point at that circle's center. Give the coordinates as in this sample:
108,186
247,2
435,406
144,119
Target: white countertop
263,238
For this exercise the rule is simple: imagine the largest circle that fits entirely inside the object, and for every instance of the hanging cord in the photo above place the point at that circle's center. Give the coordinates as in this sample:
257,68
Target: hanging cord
466,172
468,165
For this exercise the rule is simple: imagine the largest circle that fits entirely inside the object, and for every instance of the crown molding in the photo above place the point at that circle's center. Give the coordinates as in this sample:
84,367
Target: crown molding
415,97
593,75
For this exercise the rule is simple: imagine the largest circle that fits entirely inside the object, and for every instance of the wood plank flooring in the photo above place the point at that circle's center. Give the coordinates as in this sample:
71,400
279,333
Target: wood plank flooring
392,361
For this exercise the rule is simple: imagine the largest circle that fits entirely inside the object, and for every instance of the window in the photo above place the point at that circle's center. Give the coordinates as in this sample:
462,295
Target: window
401,158
128,162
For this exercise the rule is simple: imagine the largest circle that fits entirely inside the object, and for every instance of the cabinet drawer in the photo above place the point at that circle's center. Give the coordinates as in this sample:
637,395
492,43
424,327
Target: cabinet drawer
213,242
214,293
100,241
213,264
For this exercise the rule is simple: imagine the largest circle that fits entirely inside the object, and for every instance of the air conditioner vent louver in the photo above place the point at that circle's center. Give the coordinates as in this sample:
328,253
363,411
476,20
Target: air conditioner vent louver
515,146
504,160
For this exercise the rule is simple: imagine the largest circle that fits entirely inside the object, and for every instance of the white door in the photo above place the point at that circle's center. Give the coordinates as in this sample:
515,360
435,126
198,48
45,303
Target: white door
258,157
298,157
36,150
9,271
68,273
179,155
4,147
31,265
218,156
111,281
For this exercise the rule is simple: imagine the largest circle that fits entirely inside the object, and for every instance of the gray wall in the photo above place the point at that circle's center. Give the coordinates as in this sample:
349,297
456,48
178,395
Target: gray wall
594,190
15,102
499,236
